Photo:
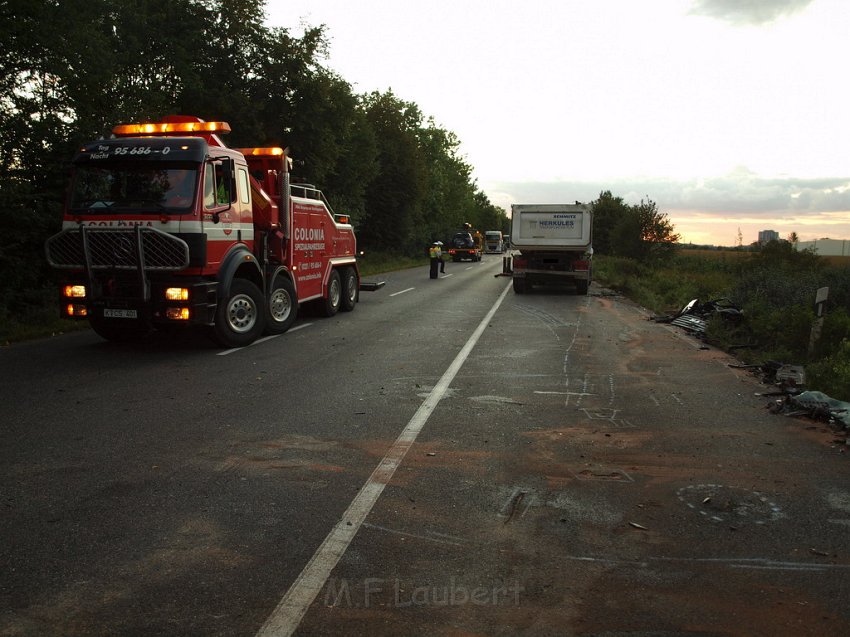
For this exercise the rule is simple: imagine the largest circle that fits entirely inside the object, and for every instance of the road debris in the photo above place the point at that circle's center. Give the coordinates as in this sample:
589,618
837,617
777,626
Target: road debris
790,379
814,404
638,526
694,316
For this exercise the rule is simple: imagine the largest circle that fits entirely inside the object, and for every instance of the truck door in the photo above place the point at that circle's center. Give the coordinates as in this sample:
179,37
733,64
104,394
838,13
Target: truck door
309,248
227,217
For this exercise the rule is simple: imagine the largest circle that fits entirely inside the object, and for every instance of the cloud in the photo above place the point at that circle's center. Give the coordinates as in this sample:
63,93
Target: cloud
739,192
748,12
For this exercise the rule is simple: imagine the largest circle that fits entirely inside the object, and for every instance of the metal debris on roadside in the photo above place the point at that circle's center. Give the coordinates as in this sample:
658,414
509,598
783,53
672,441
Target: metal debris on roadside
694,316
813,404
789,379
638,526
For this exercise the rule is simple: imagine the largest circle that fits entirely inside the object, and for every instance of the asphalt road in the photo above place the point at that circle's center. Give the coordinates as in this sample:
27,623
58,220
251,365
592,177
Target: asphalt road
448,459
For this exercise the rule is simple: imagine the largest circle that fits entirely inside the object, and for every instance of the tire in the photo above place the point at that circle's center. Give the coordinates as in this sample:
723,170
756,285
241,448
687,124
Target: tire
240,319
330,305
519,286
282,306
350,289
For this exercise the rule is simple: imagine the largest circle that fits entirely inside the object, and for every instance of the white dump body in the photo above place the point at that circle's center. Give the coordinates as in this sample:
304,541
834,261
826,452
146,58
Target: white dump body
551,227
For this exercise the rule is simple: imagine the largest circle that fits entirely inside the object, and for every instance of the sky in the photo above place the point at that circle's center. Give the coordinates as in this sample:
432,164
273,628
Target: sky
731,115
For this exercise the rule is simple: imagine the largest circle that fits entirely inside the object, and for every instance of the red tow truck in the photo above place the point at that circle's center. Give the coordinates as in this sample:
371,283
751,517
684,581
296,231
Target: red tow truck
165,226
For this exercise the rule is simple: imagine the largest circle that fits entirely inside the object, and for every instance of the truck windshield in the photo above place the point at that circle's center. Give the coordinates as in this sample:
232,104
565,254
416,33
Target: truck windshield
133,188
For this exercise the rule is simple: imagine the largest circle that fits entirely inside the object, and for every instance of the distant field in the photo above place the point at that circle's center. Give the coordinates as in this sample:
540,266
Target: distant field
742,254
715,254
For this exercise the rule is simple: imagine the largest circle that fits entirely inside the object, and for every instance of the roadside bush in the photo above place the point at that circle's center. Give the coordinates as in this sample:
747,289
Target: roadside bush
663,289
831,375
782,333
775,287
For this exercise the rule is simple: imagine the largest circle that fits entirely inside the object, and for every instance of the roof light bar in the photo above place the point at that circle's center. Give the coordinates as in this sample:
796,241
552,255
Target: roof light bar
160,128
274,151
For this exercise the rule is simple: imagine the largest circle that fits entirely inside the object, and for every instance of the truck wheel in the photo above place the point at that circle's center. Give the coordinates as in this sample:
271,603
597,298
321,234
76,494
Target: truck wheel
239,319
330,305
581,287
350,289
519,286
283,306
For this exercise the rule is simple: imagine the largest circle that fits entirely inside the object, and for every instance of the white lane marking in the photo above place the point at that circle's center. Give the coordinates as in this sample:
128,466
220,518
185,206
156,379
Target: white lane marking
446,276
263,340
402,292
285,619
440,538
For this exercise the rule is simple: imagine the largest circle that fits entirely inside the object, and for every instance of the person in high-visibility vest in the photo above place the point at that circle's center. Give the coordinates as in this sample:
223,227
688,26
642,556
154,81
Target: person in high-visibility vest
436,255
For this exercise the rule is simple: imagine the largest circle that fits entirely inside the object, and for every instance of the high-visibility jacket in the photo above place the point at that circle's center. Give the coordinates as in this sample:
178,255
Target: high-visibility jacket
435,252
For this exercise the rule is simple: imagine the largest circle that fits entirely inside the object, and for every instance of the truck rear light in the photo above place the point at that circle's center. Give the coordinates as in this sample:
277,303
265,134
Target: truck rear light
582,265
74,291
520,262
177,313
75,309
177,294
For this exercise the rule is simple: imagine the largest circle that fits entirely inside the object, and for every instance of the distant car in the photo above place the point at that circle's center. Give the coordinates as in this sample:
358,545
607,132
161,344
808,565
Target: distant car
462,240
462,246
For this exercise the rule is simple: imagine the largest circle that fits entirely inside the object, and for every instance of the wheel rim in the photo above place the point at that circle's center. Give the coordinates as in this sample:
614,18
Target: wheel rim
241,313
351,288
280,306
334,293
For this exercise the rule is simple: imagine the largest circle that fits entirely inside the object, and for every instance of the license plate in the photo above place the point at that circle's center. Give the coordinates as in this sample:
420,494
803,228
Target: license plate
116,313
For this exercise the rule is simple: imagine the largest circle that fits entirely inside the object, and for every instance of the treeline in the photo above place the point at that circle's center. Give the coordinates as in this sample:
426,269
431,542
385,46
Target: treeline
71,69
638,231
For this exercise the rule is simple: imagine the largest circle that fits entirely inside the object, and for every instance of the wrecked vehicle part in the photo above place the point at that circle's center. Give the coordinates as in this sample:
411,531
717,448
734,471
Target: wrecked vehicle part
694,316
819,405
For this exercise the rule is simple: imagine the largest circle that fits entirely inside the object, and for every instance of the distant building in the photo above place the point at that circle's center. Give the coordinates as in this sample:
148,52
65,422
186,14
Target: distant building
826,247
768,235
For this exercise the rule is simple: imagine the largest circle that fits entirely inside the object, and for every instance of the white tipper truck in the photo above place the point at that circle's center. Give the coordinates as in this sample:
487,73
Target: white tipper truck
554,243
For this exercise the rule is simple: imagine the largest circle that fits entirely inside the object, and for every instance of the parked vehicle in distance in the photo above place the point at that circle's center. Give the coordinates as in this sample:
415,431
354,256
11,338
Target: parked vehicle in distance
554,243
462,246
493,242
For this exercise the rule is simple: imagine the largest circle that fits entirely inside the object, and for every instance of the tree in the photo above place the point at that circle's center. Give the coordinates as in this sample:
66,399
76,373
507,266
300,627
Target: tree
657,235
608,211
394,199
639,232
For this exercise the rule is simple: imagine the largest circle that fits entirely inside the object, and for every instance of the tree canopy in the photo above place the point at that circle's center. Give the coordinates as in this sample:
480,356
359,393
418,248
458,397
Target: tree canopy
638,231
72,69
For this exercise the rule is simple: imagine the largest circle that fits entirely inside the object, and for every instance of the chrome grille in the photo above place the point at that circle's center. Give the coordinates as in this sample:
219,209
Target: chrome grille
111,249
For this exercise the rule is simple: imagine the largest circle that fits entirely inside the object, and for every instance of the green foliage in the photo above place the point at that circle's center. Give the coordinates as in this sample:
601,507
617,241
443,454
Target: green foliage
831,374
635,232
661,288
775,287
70,71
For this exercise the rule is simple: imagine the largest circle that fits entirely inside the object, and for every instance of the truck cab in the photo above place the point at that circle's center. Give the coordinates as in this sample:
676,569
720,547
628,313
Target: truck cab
494,242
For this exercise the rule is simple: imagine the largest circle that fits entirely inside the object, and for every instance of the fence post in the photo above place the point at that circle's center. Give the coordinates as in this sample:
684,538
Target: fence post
817,325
